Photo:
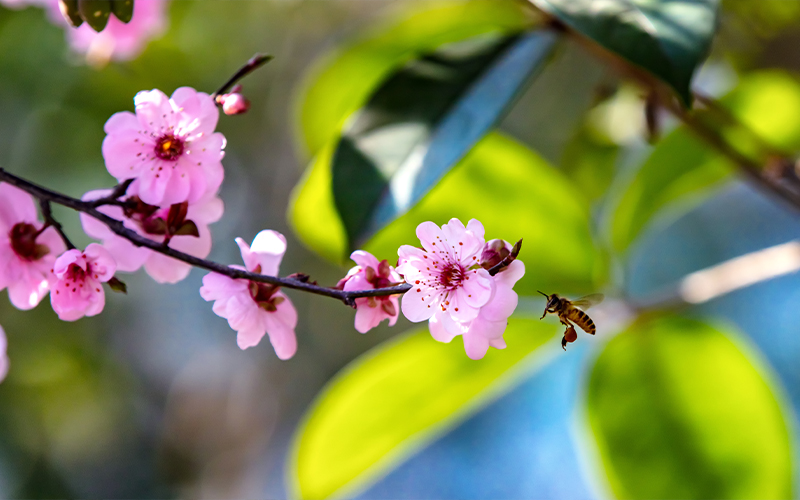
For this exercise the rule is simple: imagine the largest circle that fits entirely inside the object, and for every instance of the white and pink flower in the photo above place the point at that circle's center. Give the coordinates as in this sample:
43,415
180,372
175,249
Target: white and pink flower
27,250
452,287
78,291
169,147
159,224
256,309
368,275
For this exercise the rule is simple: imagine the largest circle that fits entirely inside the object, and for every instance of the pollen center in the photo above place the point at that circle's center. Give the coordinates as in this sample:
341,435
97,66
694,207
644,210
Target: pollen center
169,147
23,242
451,276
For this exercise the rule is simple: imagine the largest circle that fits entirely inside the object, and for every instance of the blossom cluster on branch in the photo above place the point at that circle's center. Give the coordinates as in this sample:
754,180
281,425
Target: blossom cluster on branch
167,158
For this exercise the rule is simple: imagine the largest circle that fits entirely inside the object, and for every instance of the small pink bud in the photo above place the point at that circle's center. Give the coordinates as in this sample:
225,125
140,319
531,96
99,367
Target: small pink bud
234,104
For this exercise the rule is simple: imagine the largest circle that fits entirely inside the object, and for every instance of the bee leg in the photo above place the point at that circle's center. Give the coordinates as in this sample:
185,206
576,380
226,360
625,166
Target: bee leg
564,343
544,314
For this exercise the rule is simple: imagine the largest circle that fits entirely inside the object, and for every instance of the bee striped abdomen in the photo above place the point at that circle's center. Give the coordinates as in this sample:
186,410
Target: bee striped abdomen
582,319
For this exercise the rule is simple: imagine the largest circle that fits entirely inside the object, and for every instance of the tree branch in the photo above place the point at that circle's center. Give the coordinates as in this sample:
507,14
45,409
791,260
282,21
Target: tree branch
253,64
46,197
49,221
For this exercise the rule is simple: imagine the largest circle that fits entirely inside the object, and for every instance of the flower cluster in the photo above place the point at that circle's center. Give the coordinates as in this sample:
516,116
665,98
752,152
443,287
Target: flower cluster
452,288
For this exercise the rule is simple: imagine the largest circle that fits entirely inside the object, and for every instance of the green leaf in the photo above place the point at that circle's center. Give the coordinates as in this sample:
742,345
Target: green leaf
589,159
342,81
682,168
422,120
509,188
396,399
668,38
680,411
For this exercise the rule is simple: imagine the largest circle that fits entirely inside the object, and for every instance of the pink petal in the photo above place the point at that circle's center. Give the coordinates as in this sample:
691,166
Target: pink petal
429,235
127,154
476,228
165,269
419,304
280,328
151,108
206,211
199,113
15,206
364,259
266,251
153,185
498,343
26,294
368,317
510,275
129,257
65,260
475,346
121,122
103,264
439,330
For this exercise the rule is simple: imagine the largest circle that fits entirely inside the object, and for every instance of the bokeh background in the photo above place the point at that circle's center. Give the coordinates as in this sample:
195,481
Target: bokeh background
153,399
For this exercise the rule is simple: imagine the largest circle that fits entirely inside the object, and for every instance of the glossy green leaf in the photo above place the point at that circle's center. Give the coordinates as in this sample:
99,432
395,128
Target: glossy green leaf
342,81
510,189
397,398
682,168
422,120
679,410
668,38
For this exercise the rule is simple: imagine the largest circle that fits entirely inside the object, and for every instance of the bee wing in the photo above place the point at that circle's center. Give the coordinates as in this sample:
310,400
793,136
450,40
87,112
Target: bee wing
588,301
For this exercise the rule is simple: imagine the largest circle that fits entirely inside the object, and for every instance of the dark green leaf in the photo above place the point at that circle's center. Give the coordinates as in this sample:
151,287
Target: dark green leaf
123,10
679,410
343,80
422,120
95,13
397,398
117,285
69,9
668,38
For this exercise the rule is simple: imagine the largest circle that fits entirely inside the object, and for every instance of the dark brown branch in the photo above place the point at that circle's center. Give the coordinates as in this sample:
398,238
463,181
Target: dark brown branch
114,197
46,197
49,221
253,64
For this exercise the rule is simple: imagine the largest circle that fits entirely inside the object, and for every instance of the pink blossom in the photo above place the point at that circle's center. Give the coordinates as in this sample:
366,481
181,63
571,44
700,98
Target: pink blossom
445,274
254,309
120,41
27,253
169,146
79,290
233,103
488,327
368,275
3,355
156,224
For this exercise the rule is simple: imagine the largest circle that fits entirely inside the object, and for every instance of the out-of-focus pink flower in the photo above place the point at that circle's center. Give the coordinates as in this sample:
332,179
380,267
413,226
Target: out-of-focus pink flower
255,309
156,224
120,41
446,274
368,275
3,355
27,253
79,290
169,146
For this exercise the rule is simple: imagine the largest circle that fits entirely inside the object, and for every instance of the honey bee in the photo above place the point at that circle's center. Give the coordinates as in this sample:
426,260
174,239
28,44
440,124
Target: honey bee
569,312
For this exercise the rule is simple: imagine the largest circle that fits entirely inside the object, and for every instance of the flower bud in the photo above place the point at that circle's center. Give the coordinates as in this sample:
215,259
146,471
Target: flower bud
234,104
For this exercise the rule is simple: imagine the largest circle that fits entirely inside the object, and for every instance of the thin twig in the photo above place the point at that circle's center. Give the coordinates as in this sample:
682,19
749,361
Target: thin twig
113,198
50,221
750,168
253,64
46,196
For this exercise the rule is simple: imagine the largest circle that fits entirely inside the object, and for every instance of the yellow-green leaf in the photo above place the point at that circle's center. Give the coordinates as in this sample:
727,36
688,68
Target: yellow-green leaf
680,410
397,398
